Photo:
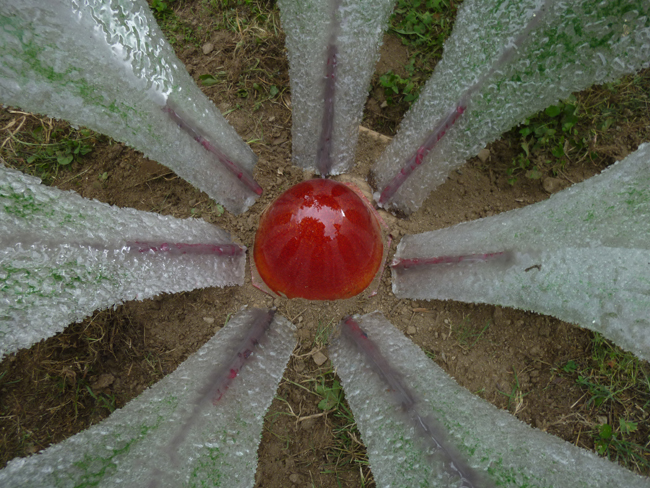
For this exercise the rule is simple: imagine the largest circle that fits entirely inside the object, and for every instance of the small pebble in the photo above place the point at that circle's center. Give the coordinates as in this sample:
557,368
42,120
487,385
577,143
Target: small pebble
208,320
483,155
102,381
552,185
295,478
319,358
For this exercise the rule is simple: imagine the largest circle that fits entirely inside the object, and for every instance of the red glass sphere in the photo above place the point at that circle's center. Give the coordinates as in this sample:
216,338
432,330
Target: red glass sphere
319,241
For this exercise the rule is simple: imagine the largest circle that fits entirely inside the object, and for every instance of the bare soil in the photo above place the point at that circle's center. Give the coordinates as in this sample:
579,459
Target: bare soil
64,384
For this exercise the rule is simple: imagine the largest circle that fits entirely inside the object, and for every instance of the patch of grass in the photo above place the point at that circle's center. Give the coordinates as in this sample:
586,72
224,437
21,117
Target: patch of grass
323,334
177,30
347,450
424,24
548,141
255,45
616,387
468,334
583,127
617,370
255,18
42,147
614,443
515,396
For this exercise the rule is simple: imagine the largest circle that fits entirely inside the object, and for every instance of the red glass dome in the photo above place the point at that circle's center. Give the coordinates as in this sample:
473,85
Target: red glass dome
319,241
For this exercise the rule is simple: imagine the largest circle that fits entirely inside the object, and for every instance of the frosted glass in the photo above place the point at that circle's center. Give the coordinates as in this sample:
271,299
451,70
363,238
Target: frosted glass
506,451
355,29
176,434
62,257
106,65
582,256
503,62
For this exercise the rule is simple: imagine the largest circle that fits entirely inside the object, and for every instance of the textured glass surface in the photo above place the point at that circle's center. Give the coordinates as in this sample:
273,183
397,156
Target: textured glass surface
171,435
512,453
572,46
106,65
358,26
62,257
582,256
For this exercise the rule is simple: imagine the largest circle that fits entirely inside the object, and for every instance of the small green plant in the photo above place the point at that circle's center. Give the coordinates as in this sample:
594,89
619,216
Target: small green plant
516,396
551,135
218,209
398,89
161,7
424,24
615,445
332,395
570,367
45,150
63,152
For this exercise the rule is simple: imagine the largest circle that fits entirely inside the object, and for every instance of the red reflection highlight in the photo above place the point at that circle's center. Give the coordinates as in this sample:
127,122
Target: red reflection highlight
319,241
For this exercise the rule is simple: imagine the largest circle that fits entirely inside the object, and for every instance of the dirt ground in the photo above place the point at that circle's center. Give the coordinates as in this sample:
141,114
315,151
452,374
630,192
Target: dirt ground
64,384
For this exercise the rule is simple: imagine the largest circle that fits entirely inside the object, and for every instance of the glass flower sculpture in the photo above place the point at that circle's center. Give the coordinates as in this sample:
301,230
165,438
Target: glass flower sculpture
582,256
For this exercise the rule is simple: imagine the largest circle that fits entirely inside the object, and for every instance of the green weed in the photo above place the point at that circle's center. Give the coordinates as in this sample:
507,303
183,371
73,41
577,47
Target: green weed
516,396
47,149
551,135
398,89
332,395
423,24
615,384
347,449
161,7
573,130
614,444
215,79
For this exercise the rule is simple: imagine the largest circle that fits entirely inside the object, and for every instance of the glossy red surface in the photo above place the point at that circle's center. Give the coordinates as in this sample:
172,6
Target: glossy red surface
319,241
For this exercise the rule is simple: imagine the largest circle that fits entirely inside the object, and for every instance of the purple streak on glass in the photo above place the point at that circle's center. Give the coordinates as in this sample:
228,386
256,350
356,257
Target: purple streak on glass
416,159
324,162
406,263
199,136
324,153
220,380
429,429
